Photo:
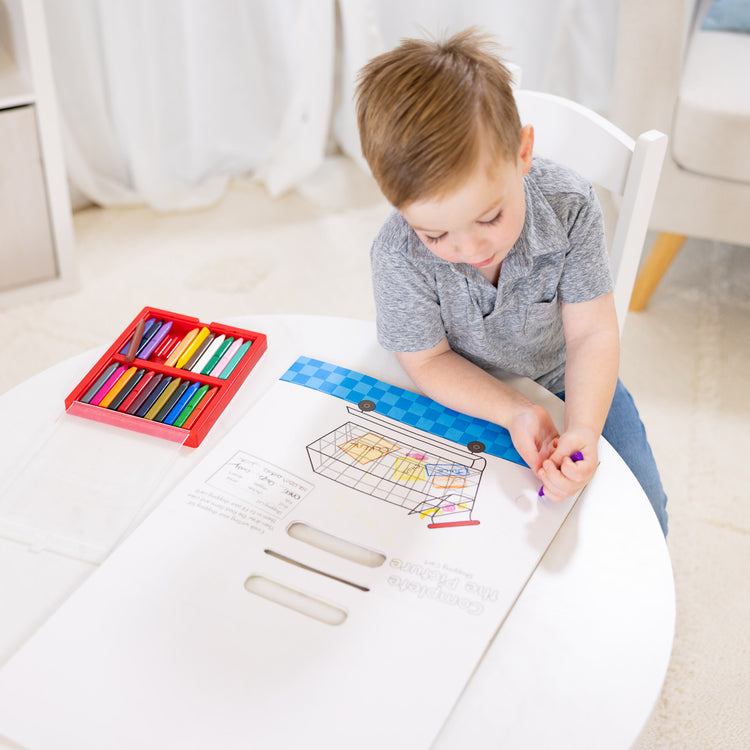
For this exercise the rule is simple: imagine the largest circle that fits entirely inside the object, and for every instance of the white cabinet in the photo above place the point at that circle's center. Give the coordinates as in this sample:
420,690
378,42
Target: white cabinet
36,228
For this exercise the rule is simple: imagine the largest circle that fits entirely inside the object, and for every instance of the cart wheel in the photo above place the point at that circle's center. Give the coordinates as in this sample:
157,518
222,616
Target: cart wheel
366,405
476,446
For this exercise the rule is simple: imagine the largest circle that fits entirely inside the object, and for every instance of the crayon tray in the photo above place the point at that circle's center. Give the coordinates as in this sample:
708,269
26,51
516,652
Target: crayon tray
181,377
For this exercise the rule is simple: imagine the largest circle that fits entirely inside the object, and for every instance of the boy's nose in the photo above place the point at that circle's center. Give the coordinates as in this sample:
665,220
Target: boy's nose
472,248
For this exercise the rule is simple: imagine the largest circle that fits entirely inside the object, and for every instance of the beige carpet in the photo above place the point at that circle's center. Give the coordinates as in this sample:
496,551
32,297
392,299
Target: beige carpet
685,359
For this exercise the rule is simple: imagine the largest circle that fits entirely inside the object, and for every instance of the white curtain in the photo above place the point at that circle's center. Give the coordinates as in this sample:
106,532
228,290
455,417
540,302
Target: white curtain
163,101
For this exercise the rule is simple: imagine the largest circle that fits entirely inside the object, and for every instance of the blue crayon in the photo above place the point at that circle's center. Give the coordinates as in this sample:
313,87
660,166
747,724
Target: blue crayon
180,405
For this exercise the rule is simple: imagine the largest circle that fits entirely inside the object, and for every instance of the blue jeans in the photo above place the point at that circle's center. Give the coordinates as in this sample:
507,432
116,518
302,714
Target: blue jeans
625,432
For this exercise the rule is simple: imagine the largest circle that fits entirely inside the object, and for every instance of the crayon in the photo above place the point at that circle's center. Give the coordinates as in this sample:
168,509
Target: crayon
169,404
208,354
198,353
218,354
100,381
149,324
126,389
144,393
191,404
184,344
181,404
135,342
226,357
577,456
148,347
117,387
227,371
184,358
102,392
157,390
149,335
162,398
166,347
199,408
138,386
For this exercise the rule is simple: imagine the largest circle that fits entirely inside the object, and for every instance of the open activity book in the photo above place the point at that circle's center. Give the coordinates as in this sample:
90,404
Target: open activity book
330,575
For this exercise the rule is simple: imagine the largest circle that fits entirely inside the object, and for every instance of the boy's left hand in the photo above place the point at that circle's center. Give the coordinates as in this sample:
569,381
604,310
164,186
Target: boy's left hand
561,476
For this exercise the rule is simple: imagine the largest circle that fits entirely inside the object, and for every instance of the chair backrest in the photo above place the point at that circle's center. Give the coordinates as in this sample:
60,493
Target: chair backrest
588,143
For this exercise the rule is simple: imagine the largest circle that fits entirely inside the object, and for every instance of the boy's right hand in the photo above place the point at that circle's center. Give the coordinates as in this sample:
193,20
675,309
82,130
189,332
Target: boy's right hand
454,381
534,435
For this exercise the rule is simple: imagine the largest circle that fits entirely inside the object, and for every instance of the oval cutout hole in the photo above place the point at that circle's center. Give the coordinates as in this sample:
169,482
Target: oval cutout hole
335,545
294,599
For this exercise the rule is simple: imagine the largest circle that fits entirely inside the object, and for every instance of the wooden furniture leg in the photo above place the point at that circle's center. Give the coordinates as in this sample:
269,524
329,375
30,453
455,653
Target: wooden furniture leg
662,253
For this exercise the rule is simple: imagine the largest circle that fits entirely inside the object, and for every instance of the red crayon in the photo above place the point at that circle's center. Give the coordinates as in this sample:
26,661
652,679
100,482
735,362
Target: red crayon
199,408
133,395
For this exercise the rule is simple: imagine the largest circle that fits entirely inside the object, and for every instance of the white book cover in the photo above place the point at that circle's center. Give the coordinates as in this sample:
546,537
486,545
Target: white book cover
329,575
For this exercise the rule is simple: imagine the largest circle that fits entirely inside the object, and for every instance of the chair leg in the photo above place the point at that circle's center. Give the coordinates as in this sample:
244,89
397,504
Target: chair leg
662,254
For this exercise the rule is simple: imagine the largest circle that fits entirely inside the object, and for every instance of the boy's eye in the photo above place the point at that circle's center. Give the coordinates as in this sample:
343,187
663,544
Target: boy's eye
436,238
493,220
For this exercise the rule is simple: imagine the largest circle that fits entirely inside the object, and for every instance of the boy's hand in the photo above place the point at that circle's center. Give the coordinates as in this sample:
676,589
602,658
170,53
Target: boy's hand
562,476
534,435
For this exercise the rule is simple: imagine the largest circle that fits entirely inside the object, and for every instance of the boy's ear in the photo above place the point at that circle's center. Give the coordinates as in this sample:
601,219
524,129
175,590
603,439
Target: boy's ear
526,149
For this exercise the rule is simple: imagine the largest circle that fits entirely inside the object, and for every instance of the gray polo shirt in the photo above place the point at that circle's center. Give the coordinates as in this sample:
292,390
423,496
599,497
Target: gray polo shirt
561,256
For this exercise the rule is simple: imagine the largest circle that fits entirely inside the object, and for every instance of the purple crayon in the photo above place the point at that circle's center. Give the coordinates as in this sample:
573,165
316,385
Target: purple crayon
146,351
577,456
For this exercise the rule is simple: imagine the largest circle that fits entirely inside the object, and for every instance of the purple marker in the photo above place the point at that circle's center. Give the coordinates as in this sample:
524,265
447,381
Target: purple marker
577,456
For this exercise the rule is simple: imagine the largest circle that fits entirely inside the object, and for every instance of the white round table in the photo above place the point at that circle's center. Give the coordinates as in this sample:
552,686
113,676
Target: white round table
578,663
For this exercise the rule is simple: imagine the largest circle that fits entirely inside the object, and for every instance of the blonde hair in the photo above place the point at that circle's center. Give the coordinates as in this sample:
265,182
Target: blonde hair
426,108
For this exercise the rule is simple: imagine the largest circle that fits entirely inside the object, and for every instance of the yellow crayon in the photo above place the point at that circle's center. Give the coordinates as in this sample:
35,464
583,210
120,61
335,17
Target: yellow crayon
163,398
192,348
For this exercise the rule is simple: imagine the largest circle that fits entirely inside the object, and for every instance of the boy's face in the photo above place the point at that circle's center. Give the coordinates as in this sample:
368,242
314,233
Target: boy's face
479,222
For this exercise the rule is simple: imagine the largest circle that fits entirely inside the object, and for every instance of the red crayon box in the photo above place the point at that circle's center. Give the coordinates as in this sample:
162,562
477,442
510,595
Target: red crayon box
167,375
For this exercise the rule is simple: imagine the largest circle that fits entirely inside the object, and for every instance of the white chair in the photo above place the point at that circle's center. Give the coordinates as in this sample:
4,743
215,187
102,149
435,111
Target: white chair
692,83
583,140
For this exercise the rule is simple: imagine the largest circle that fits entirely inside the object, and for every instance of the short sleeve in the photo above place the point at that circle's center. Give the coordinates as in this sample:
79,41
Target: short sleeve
586,272
406,299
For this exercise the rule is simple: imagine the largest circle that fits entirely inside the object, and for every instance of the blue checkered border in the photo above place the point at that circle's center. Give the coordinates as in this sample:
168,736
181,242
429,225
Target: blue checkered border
403,406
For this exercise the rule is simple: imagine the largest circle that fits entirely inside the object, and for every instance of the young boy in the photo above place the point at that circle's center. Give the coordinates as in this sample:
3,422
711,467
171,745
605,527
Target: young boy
493,261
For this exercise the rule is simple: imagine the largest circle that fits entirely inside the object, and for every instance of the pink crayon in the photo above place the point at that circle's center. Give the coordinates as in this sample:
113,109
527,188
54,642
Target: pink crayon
102,392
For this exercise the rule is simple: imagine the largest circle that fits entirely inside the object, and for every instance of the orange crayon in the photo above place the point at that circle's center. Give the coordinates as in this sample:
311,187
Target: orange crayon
180,350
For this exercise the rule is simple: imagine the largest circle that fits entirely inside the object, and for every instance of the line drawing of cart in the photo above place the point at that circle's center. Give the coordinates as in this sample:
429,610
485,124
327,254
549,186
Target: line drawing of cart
385,459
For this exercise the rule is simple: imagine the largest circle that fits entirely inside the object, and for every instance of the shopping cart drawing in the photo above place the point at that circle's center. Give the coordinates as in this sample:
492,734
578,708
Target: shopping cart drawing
383,458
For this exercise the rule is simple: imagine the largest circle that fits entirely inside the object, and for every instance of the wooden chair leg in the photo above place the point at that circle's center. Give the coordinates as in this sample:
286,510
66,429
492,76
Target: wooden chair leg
662,254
